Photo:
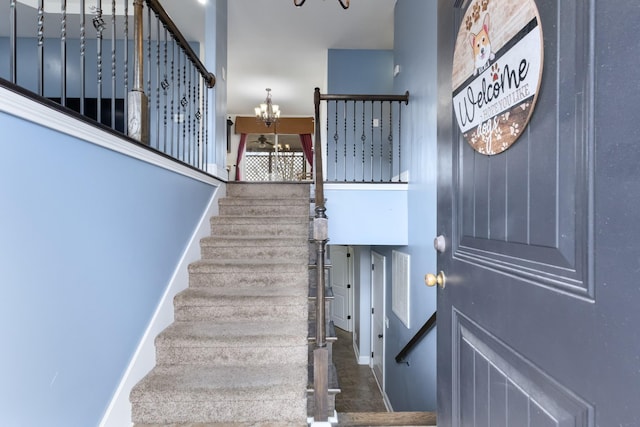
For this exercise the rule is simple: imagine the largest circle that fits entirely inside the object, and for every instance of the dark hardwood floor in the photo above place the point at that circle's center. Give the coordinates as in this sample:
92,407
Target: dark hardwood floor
360,392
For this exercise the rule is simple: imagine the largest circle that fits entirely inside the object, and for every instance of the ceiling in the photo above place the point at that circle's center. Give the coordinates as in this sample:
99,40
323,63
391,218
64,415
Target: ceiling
273,44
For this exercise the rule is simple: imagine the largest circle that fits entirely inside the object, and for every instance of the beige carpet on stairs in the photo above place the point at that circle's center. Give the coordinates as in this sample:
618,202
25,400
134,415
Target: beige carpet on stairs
236,354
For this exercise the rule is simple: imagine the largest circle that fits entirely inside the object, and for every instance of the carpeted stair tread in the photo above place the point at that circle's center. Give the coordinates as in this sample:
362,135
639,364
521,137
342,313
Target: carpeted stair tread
207,393
256,265
184,382
261,220
239,241
235,334
295,295
250,424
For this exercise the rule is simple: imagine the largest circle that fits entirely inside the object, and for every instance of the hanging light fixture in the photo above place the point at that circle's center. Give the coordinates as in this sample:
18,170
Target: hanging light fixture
267,111
343,3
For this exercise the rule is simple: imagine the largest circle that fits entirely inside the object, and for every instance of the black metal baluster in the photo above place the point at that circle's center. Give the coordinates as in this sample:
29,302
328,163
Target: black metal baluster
381,138
126,66
206,130
336,138
165,86
13,38
152,138
173,93
113,64
83,46
390,140
344,112
180,118
63,53
327,143
158,80
190,113
363,138
399,142
41,47
98,24
183,103
354,141
199,122
372,141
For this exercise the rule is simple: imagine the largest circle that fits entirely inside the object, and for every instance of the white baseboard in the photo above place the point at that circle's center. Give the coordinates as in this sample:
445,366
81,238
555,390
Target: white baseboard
362,360
118,414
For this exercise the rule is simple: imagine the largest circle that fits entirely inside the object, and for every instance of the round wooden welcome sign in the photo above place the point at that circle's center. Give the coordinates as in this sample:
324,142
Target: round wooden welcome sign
497,70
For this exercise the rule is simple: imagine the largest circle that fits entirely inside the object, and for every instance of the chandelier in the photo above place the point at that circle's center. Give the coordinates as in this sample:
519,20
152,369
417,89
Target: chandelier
343,3
267,111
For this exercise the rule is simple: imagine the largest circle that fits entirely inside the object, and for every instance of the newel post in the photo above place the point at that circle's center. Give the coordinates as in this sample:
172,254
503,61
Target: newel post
138,120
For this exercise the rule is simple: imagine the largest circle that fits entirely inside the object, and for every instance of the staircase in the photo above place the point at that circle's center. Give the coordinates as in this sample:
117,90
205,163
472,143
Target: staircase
237,351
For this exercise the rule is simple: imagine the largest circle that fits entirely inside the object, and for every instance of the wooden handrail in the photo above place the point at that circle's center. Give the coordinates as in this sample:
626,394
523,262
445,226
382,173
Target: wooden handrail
376,98
155,5
430,323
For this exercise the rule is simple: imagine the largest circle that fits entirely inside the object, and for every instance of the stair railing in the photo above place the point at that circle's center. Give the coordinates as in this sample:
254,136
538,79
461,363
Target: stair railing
320,236
148,85
424,330
364,138
381,152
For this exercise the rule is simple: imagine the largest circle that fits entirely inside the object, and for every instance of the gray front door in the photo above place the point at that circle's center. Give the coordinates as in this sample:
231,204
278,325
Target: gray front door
539,322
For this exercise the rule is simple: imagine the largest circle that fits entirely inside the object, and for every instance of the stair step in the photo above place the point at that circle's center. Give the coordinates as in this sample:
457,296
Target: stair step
206,393
387,419
231,343
252,207
253,273
243,303
269,190
258,226
254,248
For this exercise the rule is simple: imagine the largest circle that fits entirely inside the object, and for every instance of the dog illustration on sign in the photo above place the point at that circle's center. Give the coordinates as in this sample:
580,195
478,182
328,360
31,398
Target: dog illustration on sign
481,45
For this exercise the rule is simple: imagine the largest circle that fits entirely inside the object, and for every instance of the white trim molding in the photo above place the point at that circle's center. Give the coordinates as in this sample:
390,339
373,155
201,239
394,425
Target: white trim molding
21,106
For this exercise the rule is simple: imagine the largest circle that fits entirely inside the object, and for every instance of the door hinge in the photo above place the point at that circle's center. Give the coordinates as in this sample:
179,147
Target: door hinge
348,286
372,310
348,255
348,317
372,354
373,266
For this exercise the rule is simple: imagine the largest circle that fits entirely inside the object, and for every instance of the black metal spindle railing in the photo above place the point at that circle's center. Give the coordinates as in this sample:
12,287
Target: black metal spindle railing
13,39
63,52
41,47
144,81
364,138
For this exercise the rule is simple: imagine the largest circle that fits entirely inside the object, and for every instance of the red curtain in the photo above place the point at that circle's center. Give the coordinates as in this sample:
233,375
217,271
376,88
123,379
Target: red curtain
307,147
243,142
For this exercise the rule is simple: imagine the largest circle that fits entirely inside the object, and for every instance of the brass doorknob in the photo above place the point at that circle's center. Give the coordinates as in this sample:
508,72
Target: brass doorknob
432,279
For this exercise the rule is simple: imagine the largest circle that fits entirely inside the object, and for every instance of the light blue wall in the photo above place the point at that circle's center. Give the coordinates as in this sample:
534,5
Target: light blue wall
357,71
366,214
89,241
216,62
355,149
413,386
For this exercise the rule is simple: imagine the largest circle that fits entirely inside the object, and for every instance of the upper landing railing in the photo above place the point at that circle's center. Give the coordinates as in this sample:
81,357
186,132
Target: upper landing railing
120,64
364,138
